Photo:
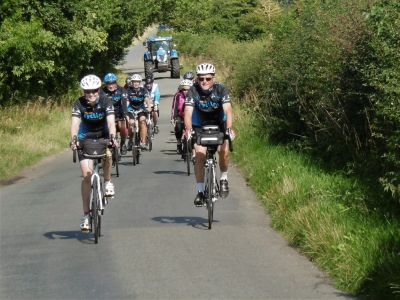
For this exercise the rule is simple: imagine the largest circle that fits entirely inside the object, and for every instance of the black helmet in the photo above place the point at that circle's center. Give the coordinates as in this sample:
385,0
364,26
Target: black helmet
188,75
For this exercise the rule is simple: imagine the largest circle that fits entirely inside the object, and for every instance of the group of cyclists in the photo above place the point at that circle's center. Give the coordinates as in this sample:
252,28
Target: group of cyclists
106,108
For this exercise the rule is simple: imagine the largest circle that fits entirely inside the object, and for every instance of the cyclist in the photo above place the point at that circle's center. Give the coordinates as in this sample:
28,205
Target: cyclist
208,103
178,112
92,118
154,92
138,100
117,95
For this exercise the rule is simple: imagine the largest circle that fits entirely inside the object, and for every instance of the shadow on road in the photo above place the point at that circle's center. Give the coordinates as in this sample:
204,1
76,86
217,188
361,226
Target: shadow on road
169,152
170,172
195,222
69,235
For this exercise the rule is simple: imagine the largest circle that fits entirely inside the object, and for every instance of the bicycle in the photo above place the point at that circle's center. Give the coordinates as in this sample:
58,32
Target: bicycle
98,200
135,136
211,137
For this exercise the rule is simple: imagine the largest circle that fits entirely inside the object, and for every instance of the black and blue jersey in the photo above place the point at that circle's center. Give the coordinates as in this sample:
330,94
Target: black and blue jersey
118,99
136,98
207,105
93,117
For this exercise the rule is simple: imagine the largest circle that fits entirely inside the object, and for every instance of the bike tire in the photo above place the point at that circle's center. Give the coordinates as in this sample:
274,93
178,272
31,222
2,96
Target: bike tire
134,148
137,145
95,211
209,193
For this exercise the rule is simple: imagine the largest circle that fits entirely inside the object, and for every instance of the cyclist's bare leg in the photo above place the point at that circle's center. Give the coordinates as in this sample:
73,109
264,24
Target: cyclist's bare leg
143,129
200,160
223,152
122,129
107,162
87,170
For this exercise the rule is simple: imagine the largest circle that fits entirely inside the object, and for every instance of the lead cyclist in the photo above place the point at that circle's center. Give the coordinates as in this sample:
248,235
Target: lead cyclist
208,103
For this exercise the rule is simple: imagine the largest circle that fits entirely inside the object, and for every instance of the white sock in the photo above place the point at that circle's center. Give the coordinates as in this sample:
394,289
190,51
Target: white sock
200,186
224,175
105,182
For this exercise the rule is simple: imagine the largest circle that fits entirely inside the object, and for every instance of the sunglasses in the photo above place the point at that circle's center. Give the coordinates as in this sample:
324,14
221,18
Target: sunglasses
114,82
208,79
91,91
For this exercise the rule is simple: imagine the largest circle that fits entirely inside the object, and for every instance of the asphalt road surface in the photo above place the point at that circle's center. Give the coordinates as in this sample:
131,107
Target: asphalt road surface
155,243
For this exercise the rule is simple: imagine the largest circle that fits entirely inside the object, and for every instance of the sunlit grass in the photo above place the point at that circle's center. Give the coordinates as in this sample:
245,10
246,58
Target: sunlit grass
30,132
326,216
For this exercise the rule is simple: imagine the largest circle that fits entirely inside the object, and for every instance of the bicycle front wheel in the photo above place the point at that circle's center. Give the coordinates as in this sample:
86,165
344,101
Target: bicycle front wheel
95,211
209,194
115,158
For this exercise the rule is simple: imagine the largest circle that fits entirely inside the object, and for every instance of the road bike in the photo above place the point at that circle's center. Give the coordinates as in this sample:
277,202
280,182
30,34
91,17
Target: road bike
211,137
98,200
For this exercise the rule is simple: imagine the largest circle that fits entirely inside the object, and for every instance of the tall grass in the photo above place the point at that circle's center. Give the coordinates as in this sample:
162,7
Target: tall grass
328,217
30,132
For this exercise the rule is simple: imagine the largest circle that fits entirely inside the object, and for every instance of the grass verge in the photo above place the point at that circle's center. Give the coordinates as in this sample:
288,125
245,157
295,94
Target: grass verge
30,132
327,216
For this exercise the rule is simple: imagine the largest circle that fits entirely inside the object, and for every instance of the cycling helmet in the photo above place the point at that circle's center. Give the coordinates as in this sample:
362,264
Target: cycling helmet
90,82
135,77
188,75
185,82
110,77
204,69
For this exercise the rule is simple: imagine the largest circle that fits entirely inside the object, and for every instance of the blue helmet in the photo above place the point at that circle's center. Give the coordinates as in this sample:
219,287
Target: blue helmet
110,77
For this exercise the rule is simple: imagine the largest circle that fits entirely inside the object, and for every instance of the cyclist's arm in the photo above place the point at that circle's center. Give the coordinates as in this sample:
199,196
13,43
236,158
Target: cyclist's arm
227,107
75,123
111,124
148,102
188,117
157,96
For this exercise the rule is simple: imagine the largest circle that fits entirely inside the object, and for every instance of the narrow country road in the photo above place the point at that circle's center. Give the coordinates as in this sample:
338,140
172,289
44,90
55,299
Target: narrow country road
155,243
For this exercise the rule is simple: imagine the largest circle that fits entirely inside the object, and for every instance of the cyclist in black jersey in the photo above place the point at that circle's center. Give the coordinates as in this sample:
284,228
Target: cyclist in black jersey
118,97
92,118
138,100
208,103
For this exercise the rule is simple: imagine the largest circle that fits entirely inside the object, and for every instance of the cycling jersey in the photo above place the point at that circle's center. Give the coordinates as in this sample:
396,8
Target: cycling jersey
178,105
207,105
93,118
155,94
136,98
118,99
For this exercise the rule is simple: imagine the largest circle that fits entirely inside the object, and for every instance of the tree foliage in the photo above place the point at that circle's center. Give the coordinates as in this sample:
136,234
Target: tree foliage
47,45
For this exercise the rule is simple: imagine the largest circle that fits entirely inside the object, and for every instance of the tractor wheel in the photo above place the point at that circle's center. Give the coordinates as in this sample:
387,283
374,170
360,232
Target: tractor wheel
175,68
148,69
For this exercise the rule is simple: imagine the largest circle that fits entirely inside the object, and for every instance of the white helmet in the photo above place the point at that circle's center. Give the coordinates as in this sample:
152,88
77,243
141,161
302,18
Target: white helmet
135,77
185,82
90,82
204,69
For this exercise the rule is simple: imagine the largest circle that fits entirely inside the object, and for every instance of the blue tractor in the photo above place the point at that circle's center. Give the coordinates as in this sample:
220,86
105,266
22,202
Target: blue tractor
161,57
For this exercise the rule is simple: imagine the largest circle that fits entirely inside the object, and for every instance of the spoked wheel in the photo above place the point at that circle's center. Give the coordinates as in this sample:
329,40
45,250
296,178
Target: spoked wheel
209,194
210,208
137,146
95,212
134,148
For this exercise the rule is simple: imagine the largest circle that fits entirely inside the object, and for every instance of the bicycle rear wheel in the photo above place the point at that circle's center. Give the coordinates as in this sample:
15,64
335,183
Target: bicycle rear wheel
95,211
